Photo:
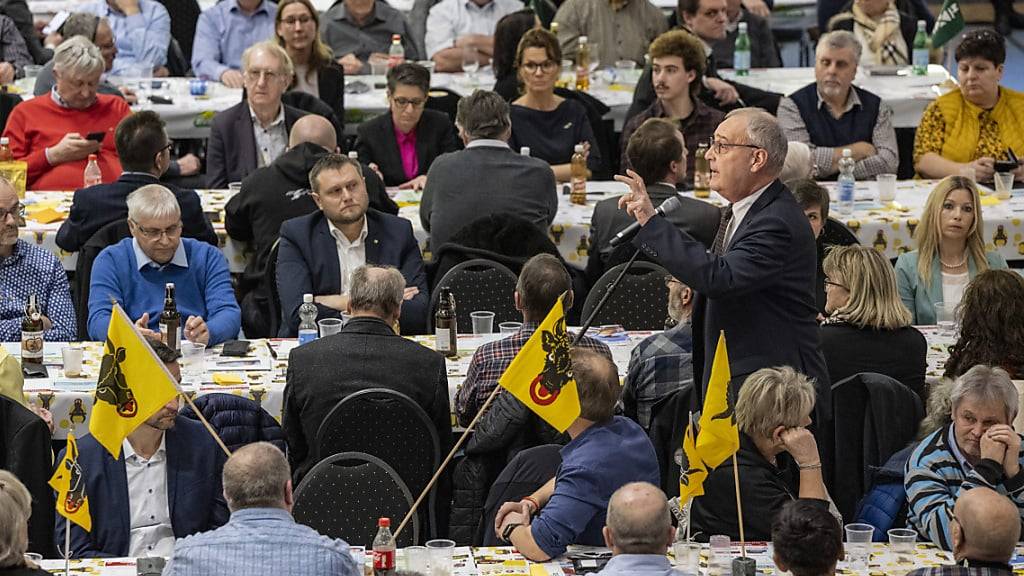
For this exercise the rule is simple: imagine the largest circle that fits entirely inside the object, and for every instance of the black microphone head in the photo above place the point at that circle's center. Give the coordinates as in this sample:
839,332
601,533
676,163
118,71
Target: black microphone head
671,204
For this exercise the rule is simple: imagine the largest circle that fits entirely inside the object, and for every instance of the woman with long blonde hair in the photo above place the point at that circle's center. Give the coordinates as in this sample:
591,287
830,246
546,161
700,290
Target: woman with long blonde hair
950,251
868,327
297,30
15,508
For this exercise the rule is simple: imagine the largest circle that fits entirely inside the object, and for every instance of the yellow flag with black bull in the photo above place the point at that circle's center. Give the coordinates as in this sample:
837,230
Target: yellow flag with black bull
692,471
69,484
132,386
719,436
540,375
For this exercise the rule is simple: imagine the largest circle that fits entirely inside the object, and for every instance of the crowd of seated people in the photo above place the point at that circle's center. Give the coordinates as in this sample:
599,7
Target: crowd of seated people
321,223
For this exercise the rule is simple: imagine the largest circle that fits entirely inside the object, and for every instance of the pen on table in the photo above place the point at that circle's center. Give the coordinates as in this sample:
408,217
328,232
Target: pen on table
273,354
1013,157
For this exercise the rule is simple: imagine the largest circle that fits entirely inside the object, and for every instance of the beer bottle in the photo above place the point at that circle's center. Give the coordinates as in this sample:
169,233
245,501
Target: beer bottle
170,319
578,171
701,172
446,329
32,333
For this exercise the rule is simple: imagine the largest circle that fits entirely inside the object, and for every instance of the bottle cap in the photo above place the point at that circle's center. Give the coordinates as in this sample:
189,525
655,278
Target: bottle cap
169,285
578,148
307,298
524,150
384,522
583,39
743,26
396,37
353,154
92,157
847,153
5,141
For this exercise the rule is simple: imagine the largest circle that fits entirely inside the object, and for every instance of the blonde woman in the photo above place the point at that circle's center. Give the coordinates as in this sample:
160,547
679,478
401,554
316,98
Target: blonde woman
15,508
868,327
297,30
778,458
950,250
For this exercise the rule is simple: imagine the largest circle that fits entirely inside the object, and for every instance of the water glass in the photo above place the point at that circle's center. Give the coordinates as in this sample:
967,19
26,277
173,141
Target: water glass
886,188
440,552
417,559
509,328
32,71
483,322
687,557
192,355
720,553
945,317
1004,185
72,361
858,545
330,326
901,543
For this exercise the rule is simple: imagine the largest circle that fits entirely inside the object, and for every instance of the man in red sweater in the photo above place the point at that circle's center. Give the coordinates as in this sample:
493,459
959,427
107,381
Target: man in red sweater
52,132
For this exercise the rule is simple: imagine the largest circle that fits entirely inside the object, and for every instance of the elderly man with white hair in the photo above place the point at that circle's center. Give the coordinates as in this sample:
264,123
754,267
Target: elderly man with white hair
55,135
831,114
135,271
978,449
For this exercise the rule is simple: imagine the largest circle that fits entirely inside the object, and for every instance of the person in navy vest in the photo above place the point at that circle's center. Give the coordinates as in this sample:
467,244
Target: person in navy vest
832,114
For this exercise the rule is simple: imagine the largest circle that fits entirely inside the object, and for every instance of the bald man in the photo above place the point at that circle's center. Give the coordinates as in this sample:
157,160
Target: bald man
985,530
276,193
639,531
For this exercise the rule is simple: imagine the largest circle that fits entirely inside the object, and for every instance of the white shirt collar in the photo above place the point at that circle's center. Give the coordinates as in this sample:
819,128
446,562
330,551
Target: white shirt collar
340,237
142,260
739,211
487,143
278,120
161,451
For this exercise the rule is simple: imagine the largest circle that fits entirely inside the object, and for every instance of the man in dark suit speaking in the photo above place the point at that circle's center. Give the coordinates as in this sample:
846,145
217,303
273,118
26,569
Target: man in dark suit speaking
757,281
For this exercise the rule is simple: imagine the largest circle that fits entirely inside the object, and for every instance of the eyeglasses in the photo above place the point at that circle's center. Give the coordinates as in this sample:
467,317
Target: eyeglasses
546,66
716,146
257,75
829,282
669,280
405,102
172,231
303,20
17,212
166,147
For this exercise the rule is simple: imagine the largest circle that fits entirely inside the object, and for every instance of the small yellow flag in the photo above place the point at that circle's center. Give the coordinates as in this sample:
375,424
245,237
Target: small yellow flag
132,386
540,375
719,436
67,481
692,471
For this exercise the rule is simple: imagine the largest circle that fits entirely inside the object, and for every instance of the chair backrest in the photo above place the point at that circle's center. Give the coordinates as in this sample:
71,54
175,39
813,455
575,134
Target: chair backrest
177,63
273,293
835,233
108,235
418,24
344,495
639,303
668,425
313,105
874,416
478,284
7,104
237,420
444,100
184,15
391,426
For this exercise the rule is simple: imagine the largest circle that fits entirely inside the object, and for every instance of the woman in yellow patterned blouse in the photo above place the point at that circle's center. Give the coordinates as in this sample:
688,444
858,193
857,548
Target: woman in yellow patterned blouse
975,125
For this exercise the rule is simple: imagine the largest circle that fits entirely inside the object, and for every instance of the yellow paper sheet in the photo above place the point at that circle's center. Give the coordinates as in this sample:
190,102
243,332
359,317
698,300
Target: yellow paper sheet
228,379
47,216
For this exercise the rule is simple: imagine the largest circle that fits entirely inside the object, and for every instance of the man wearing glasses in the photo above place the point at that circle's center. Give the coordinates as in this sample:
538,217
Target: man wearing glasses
135,270
254,132
757,282
27,269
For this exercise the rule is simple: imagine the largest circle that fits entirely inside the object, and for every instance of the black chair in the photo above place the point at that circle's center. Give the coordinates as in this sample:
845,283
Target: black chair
270,284
478,285
668,425
25,452
184,15
110,234
391,426
639,303
313,105
344,495
835,233
178,64
874,416
7,104
237,420
443,100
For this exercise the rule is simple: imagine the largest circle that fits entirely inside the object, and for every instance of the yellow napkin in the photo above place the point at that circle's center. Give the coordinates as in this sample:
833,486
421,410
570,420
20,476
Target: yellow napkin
228,379
990,200
48,215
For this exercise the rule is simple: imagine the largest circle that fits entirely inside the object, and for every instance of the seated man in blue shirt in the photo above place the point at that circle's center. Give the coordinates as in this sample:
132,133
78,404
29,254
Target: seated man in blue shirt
224,31
606,452
261,536
639,531
27,269
143,32
135,270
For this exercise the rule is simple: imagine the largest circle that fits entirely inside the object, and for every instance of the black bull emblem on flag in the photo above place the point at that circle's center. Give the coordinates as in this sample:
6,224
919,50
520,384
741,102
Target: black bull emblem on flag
112,387
557,370
75,497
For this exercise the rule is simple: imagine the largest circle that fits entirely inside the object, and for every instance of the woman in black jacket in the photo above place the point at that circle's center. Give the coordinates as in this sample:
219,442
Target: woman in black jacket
297,30
868,327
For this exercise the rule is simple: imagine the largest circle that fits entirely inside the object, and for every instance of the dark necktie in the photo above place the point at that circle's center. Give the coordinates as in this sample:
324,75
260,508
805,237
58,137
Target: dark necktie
723,226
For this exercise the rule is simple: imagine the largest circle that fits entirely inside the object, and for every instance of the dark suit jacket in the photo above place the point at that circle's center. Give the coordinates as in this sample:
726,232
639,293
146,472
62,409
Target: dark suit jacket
231,152
25,452
317,382
760,292
698,218
94,207
435,135
484,180
307,263
194,494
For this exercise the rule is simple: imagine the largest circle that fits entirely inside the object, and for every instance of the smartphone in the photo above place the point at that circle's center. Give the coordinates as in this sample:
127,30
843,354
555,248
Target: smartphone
235,348
96,136
33,370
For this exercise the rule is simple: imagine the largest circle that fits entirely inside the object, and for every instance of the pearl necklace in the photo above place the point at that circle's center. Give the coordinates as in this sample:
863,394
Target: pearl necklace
953,266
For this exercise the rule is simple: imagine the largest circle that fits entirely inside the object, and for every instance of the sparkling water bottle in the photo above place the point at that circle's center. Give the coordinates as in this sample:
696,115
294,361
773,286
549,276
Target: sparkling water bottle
307,322
846,182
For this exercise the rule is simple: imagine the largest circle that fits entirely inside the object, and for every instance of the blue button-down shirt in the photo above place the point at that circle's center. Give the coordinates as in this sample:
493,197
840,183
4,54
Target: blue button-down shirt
261,542
224,31
639,565
32,270
142,38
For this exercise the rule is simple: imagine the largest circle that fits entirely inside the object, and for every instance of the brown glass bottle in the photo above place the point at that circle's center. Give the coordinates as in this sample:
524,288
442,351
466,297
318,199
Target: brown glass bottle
32,333
445,325
170,319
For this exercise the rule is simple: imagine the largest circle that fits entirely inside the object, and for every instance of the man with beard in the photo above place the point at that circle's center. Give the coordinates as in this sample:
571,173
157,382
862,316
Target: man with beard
831,114
319,252
165,485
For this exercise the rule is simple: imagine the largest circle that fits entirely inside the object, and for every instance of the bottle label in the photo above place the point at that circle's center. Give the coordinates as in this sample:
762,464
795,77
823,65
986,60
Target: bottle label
920,58
32,345
306,336
741,60
383,559
846,190
170,333
443,336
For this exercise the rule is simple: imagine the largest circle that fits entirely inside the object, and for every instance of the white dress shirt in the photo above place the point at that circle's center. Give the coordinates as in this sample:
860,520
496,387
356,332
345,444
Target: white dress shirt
451,19
351,254
739,211
271,141
151,532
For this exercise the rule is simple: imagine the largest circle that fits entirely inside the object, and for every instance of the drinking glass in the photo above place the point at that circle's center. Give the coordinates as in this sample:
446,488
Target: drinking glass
687,557
858,545
330,326
440,552
192,355
509,328
417,559
886,188
720,553
901,543
32,71
72,361
945,317
1004,185
483,322
470,64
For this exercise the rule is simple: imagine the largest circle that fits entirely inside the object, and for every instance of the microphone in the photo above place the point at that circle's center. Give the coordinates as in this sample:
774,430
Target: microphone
671,204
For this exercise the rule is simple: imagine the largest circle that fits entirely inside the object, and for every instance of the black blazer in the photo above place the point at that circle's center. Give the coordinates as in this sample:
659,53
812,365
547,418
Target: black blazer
25,452
317,381
760,291
307,263
331,84
94,207
435,135
231,152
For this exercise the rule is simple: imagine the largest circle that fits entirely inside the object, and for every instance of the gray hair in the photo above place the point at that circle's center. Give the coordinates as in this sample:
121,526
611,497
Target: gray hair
483,114
377,289
989,384
255,477
639,519
78,56
81,24
152,201
773,397
270,47
764,131
840,40
15,508
799,164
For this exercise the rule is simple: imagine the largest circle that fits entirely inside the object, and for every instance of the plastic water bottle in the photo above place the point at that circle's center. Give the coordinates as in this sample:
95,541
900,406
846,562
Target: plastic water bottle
396,54
741,52
307,322
846,182
920,54
524,150
93,175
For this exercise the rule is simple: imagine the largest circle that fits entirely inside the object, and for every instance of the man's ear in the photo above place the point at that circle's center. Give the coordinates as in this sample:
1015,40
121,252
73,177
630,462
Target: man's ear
609,540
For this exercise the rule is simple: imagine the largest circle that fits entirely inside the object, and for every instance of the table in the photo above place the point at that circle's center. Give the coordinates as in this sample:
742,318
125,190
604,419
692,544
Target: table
907,94
263,378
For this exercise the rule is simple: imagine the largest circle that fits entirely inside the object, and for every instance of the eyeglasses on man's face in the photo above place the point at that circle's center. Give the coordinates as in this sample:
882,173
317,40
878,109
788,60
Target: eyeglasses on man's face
716,146
17,212
257,75
172,231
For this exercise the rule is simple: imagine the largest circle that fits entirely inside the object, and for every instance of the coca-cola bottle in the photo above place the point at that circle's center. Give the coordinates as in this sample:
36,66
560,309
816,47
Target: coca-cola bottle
384,549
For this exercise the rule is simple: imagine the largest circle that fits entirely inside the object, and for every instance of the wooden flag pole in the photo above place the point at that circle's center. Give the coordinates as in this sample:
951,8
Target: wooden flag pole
739,505
447,459
67,547
689,513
